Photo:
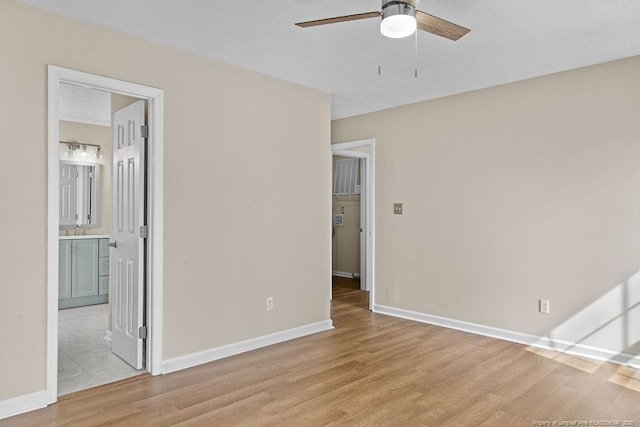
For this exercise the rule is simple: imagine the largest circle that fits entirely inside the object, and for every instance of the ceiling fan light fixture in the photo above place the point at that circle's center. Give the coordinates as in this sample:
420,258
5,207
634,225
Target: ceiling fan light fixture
398,19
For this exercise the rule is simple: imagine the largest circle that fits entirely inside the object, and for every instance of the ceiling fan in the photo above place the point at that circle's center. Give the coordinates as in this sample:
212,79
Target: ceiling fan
400,19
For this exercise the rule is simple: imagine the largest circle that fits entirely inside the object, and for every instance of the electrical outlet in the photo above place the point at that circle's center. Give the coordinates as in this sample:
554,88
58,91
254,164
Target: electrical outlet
545,306
269,303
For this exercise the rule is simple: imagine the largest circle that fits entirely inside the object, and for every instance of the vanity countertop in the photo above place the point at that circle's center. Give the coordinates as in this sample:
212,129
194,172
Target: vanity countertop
88,236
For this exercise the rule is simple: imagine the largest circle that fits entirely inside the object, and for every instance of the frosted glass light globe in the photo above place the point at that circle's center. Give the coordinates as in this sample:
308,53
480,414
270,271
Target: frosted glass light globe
398,26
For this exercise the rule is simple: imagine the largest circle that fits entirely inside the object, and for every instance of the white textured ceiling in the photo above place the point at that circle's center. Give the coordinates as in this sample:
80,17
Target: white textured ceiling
510,40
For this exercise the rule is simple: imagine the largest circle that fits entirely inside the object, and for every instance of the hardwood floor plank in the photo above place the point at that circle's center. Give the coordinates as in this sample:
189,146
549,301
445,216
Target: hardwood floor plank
370,370
296,393
499,418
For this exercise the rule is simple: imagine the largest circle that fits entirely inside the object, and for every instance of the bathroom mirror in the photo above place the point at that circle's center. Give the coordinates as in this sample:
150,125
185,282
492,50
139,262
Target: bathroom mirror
79,194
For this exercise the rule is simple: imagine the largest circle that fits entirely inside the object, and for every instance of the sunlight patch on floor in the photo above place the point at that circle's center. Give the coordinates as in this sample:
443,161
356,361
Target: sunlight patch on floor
582,363
628,377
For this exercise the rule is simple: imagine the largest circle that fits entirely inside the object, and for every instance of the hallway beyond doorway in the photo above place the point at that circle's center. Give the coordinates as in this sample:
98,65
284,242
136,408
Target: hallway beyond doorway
348,292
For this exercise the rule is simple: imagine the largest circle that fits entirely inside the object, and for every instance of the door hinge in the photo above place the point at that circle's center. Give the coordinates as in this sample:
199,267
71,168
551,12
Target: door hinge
144,231
144,131
142,332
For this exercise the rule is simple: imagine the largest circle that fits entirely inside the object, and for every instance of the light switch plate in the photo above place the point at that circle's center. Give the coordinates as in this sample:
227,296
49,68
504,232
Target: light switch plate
397,208
544,306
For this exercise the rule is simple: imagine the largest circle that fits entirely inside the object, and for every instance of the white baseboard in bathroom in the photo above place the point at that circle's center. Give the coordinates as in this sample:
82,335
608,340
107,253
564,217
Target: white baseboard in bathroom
548,343
206,356
21,404
342,274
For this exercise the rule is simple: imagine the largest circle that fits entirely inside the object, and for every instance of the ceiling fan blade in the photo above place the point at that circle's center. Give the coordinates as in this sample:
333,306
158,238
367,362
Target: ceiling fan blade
440,27
339,19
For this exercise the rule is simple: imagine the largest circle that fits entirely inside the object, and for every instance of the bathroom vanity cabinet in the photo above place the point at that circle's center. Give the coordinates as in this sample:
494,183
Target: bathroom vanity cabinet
83,271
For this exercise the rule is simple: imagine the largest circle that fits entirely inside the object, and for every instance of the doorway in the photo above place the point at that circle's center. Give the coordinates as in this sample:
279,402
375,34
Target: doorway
86,355
152,238
357,208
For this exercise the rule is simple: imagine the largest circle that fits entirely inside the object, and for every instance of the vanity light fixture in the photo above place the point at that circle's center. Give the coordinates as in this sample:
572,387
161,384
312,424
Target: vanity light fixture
79,151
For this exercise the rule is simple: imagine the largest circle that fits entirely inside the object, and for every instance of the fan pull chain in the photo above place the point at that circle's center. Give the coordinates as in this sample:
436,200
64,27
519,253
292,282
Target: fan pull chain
416,53
379,54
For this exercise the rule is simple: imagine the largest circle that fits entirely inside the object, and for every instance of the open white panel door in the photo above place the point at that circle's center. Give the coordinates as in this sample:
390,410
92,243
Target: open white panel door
128,218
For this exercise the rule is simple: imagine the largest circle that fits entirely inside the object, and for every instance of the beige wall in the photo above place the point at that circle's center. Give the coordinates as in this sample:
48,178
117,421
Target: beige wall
514,193
345,253
118,102
233,141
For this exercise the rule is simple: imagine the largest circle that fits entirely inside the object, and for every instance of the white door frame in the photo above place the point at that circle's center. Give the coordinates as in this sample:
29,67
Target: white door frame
346,149
155,108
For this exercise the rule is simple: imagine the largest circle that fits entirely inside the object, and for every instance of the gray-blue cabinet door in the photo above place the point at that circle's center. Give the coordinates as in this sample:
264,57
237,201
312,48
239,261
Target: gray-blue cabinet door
84,278
104,248
64,269
103,266
103,285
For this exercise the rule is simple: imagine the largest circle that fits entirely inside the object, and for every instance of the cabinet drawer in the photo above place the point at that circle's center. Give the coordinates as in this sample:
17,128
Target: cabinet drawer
103,247
103,285
103,266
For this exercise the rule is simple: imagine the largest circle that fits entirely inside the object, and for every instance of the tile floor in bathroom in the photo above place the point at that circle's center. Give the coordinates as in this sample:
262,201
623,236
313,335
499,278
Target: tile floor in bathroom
84,357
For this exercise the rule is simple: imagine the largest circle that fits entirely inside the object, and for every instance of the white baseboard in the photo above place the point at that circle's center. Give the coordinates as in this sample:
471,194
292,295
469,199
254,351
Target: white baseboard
342,274
206,356
21,404
567,347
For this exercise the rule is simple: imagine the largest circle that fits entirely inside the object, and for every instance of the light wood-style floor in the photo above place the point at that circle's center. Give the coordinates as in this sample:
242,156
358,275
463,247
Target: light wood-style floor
371,370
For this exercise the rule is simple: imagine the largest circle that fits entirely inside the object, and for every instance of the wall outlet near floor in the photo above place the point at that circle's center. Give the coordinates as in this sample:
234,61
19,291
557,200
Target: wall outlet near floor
545,306
270,303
